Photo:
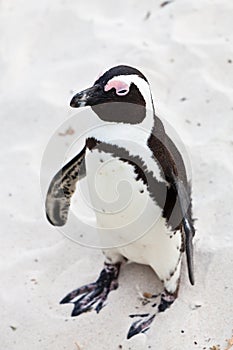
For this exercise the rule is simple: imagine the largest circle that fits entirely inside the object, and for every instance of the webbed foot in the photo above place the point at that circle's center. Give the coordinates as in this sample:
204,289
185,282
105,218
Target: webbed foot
94,294
143,325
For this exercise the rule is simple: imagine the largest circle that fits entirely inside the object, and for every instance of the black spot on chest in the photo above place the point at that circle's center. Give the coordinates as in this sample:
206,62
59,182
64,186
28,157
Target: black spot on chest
163,193
156,189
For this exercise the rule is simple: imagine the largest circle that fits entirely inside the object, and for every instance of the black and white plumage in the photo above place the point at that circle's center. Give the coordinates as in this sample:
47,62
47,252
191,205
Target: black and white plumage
133,146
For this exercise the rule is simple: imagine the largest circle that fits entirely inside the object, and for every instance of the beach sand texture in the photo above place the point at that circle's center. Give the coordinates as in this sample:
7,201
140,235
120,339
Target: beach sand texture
52,49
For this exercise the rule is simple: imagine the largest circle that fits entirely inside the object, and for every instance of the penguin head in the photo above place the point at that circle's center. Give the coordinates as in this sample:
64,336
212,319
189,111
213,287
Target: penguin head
121,94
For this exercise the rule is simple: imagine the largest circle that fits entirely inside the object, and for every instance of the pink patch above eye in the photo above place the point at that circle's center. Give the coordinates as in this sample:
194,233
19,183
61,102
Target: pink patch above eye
120,86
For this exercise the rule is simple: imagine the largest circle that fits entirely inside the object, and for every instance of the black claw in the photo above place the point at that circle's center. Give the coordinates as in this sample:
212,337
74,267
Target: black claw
145,330
75,312
68,298
138,315
133,330
64,300
78,310
75,293
140,327
99,306
131,333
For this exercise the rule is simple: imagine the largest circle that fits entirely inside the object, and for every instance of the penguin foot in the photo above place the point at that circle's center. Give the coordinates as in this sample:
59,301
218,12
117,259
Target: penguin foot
94,293
140,326
143,325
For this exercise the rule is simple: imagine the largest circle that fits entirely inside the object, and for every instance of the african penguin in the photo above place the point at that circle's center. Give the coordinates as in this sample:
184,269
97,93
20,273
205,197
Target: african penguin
150,224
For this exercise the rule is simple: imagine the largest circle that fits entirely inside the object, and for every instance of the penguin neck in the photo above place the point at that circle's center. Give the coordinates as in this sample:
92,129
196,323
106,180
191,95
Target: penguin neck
122,134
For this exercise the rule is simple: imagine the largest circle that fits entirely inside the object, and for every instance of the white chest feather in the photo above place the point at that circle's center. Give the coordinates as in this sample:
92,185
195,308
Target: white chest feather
120,199
129,220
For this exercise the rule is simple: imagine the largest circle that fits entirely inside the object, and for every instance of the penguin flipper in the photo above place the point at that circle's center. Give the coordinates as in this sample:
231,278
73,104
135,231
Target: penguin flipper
62,188
187,224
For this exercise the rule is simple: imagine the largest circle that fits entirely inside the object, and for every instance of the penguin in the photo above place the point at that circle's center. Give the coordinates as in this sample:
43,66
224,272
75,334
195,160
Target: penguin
152,223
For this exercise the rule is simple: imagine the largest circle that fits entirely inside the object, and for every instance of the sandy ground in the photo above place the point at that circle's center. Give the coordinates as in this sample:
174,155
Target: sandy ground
48,50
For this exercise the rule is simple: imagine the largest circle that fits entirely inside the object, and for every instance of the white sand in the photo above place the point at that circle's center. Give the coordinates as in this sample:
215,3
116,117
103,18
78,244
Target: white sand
49,48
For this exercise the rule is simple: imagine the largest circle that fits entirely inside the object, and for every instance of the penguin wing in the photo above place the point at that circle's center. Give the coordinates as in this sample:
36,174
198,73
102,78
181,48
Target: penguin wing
178,206
184,199
183,192
62,188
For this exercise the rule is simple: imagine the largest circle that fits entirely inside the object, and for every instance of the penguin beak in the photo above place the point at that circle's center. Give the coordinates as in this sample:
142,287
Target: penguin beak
88,97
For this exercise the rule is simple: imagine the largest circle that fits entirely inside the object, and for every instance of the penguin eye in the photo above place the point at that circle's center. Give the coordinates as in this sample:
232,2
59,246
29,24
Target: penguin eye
122,92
